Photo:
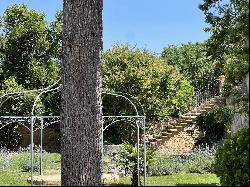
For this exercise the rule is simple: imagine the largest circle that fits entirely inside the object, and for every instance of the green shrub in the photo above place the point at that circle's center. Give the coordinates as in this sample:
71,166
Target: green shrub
24,162
213,125
232,159
167,165
21,160
160,87
127,157
200,160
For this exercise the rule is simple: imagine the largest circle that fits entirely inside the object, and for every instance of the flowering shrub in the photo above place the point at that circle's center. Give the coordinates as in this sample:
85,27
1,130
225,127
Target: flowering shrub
167,165
198,161
4,158
201,159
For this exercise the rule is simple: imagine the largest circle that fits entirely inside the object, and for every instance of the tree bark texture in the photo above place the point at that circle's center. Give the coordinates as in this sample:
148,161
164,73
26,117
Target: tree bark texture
81,113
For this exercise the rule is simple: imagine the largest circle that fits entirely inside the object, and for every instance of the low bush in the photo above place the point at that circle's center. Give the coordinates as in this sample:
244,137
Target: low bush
22,160
232,159
201,159
198,161
25,162
127,157
167,165
4,158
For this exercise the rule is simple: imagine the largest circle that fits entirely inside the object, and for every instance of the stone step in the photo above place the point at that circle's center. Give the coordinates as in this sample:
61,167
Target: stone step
195,114
189,120
157,136
207,107
166,134
165,137
152,139
189,131
172,130
203,110
189,117
218,97
209,104
185,117
183,124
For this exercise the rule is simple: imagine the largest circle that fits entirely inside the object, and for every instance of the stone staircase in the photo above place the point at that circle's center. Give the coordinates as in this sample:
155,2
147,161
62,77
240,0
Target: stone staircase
178,136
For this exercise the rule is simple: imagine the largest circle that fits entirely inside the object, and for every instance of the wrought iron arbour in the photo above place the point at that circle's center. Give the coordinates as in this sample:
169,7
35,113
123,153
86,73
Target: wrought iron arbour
138,120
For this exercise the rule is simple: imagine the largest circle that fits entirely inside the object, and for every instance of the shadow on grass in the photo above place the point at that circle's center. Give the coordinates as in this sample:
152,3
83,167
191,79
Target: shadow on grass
212,184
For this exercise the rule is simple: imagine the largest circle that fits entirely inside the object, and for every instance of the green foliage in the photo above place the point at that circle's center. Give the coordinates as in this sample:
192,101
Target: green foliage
213,125
20,105
167,165
27,48
25,165
200,160
161,89
16,106
10,138
192,61
127,157
229,26
120,132
55,37
29,57
21,161
232,159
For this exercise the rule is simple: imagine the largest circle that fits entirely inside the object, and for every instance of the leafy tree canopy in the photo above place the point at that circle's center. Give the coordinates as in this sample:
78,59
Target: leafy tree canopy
160,87
27,47
229,27
192,61
29,55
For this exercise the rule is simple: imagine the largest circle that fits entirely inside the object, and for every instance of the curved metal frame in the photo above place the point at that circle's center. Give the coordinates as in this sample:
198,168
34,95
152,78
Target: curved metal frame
140,121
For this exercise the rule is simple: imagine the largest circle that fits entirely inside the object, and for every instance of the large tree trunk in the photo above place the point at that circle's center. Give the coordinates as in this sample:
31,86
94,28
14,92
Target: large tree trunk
81,115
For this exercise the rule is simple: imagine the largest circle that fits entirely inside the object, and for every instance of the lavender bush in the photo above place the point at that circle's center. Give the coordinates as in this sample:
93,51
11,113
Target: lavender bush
200,160
4,158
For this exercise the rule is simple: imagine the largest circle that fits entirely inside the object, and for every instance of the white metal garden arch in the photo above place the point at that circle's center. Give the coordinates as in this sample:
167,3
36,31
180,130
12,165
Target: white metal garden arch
138,121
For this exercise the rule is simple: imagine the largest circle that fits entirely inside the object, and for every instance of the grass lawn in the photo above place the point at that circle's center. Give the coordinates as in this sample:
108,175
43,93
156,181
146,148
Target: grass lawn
20,179
191,179
13,176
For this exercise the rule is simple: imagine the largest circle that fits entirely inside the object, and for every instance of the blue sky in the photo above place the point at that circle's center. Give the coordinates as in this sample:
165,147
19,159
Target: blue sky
150,24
